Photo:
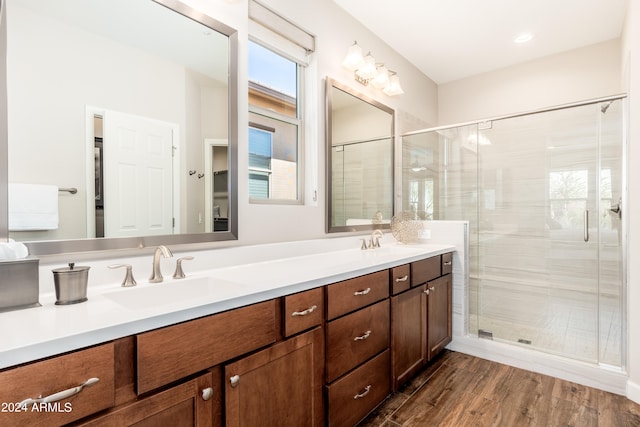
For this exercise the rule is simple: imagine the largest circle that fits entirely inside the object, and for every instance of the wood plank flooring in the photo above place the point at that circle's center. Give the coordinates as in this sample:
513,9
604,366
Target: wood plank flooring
462,390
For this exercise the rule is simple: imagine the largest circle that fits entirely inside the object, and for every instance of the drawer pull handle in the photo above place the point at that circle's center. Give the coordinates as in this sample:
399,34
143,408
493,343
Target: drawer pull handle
234,381
363,337
305,312
59,395
446,263
207,393
402,279
366,291
366,391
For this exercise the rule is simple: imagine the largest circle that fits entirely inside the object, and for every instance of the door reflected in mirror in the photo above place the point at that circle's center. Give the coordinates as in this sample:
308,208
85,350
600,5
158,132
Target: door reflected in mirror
360,160
117,98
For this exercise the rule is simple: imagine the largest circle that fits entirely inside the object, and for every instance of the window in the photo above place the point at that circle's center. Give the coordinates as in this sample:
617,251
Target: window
568,192
277,65
274,126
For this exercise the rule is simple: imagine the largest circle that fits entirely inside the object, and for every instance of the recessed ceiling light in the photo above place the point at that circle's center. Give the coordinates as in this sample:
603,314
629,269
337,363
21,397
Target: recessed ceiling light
523,38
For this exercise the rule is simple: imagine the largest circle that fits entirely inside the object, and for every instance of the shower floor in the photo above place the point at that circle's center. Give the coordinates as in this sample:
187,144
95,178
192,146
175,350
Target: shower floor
549,319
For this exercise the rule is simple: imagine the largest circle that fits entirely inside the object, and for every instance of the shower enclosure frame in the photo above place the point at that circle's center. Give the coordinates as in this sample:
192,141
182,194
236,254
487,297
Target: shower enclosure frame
624,203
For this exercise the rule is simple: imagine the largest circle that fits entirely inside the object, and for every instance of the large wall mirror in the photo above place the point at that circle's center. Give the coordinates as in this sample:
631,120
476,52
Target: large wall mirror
121,125
360,137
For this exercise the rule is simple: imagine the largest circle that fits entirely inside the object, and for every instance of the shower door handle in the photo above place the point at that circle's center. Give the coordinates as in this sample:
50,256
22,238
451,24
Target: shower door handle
617,209
586,225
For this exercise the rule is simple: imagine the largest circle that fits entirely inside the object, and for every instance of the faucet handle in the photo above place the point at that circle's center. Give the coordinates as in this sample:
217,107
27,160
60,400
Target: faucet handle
128,277
179,273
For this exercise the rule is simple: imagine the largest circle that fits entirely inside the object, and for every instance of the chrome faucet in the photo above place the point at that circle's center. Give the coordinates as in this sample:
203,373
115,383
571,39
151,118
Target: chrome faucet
156,275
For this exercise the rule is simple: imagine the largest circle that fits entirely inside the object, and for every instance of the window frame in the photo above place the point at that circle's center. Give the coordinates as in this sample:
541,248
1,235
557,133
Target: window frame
296,121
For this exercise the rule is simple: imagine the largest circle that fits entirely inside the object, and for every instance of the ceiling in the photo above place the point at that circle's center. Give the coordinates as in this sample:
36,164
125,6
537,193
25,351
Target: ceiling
453,39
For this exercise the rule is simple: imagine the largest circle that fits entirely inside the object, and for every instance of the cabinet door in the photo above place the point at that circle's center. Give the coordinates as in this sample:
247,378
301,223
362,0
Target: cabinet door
281,385
189,404
438,315
408,334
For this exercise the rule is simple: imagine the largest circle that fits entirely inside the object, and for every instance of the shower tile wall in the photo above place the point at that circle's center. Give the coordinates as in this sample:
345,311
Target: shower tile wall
524,184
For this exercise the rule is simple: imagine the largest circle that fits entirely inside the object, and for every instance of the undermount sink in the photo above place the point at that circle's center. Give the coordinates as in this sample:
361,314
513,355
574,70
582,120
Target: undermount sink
169,292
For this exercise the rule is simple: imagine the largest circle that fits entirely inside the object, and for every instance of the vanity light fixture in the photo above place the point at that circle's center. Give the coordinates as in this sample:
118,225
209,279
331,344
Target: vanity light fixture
366,70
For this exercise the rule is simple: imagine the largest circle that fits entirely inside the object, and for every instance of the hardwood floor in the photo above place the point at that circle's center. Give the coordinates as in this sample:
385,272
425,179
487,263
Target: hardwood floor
462,390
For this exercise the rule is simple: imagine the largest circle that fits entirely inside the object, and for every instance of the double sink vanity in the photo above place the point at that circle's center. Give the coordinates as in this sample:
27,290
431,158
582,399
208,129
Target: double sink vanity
315,337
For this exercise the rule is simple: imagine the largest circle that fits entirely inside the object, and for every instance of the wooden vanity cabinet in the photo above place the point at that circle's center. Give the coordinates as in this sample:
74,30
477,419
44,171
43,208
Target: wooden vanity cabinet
192,403
357,349
421,318
302,311
174,352
439,326
329,354
281,385
409,334
54,375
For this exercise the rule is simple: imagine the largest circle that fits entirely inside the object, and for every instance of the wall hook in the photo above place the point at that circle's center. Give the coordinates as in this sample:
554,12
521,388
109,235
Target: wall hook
200,175
192,173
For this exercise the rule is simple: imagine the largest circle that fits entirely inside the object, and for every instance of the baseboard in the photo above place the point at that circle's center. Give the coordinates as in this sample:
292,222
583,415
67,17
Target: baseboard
633,391
600,377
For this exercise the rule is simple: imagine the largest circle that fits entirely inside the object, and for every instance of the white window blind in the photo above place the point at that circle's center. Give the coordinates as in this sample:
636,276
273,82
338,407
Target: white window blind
280,34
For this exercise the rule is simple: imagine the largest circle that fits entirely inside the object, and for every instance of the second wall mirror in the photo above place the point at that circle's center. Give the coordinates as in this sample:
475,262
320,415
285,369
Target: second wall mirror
360,135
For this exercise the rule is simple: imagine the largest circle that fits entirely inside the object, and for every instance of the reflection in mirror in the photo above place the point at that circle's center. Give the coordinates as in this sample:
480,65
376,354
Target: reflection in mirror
360,160
119,100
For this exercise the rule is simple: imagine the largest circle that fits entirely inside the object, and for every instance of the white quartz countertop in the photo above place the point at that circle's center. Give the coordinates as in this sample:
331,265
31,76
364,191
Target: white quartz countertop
113,312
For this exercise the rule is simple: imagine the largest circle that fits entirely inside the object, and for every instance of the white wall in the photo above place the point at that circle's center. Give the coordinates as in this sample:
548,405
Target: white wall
581,74
335,31
631,83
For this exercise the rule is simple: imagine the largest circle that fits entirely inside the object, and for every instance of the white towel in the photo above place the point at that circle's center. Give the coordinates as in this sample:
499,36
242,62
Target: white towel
33,207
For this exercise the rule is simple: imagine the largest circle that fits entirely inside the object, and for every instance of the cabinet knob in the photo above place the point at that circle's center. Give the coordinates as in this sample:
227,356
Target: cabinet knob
234,381
433,288
207,393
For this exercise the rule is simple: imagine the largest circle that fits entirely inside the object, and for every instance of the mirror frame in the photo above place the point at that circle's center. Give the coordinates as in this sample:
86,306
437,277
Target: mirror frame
330,86
102,244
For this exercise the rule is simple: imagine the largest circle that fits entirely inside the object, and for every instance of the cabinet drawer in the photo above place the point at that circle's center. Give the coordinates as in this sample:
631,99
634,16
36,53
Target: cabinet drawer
355,395
303,311
352,294
355,338
54,375
424,270
447,263
174,352
400,278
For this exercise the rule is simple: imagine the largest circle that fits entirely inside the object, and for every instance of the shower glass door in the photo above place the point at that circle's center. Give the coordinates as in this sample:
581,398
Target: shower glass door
548,268
542,193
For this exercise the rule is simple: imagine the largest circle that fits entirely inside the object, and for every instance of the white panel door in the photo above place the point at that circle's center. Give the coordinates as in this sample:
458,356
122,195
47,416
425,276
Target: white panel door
137,176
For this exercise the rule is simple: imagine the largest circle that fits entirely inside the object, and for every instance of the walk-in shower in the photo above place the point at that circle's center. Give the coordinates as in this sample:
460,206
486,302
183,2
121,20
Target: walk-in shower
544,195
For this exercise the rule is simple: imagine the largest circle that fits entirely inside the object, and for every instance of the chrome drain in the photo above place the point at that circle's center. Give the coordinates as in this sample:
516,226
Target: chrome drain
485,334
